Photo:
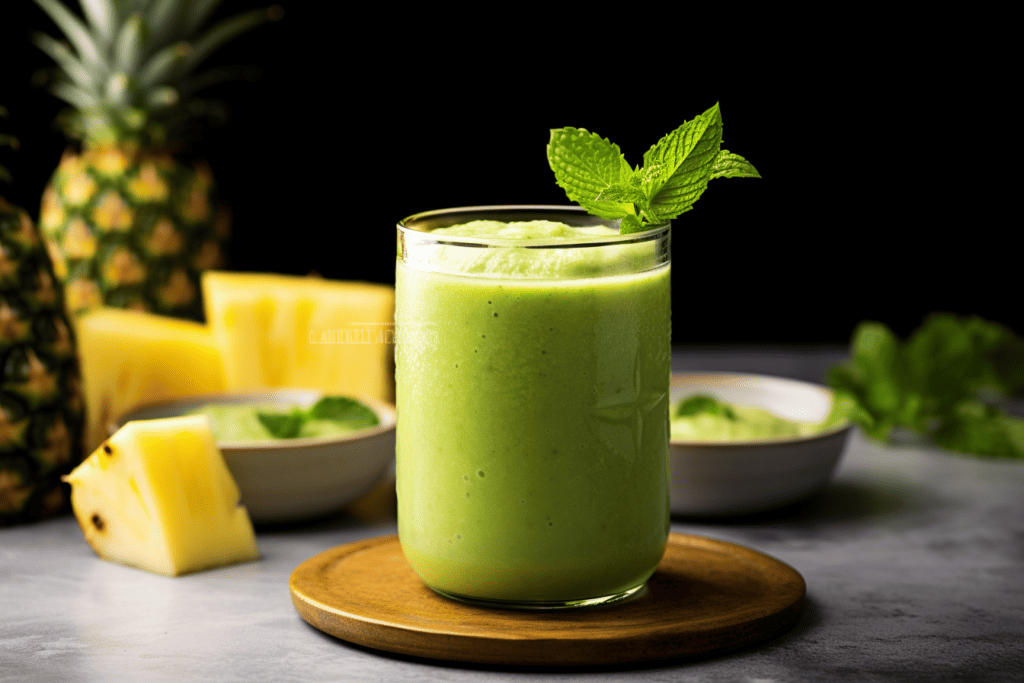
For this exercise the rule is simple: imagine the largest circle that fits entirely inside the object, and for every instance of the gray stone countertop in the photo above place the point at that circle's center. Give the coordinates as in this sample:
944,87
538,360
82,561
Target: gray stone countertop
913,557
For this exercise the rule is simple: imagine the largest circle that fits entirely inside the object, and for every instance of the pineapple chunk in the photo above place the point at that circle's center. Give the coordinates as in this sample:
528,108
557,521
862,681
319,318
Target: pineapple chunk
158,496
302,332
130,358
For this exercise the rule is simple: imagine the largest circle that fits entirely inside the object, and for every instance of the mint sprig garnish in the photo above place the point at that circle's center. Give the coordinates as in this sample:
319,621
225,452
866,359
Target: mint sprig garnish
593,172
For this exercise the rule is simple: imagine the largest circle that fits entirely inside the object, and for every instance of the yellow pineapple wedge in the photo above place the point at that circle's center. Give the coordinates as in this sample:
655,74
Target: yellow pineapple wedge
130,358
158,496
302,332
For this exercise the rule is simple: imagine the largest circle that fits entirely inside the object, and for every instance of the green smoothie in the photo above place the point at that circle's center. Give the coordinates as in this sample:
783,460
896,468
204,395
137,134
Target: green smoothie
532,395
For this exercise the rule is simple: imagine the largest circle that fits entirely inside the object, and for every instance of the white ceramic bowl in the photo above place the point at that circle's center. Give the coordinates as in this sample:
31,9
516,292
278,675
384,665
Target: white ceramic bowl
747,477
290,480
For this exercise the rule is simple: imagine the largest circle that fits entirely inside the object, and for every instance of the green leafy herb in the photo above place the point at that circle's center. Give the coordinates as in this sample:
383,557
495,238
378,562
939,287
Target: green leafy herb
342,409
948,382
701,403
283,425
676,171
339,410
844,411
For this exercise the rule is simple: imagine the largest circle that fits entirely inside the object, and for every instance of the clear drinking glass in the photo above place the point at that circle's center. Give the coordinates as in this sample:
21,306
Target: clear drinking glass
532,383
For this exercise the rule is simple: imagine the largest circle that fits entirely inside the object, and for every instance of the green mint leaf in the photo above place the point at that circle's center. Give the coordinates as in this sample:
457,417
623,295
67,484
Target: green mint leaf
630,224
343,409
845,410
623,195
648,176
282,425
702,403
974,427
685,158
585,165
873,377
876,356
974,354
729,165
653,218
609,210
629,191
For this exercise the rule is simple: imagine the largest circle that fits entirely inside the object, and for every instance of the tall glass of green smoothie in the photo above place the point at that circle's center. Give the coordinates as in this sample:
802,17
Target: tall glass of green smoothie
532,371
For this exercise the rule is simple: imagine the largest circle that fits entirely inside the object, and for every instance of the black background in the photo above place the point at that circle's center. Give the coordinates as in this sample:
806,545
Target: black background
884,145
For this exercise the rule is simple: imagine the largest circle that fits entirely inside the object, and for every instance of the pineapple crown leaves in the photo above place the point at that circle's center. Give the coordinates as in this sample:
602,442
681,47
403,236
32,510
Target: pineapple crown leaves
6,141
128,69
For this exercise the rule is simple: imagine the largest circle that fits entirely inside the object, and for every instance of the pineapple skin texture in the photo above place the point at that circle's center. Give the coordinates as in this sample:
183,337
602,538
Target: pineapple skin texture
158,496
131,227
41,412
131,358
302,332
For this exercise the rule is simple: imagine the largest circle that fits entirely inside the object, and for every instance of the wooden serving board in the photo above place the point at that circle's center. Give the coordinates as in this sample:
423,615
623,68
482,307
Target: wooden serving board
706,597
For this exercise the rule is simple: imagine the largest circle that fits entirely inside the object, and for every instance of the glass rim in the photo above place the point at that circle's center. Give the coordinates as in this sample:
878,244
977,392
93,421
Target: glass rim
652,233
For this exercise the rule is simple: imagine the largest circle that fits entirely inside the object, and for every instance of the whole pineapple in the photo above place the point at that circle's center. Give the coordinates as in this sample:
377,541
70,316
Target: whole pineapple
40,397
126,224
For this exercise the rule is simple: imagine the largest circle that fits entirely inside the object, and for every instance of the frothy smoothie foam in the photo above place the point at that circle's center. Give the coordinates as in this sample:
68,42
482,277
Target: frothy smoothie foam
532,388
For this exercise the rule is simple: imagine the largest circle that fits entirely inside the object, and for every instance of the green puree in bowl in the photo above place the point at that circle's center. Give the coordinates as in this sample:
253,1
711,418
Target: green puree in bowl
705,418
332,416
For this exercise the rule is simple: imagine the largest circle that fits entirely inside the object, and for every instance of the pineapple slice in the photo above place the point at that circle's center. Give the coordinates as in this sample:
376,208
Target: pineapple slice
302,332
158,496
130,358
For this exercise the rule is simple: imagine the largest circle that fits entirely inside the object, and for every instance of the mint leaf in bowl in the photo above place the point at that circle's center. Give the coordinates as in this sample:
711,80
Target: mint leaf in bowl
282,425
343,409
701,403
331,416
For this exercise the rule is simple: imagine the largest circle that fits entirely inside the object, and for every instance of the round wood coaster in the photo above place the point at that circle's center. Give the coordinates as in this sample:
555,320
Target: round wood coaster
706,597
